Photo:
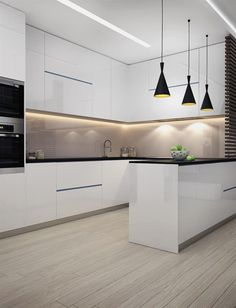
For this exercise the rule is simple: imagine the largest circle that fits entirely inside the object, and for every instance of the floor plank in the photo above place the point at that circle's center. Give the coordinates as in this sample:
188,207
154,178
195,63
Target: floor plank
89,263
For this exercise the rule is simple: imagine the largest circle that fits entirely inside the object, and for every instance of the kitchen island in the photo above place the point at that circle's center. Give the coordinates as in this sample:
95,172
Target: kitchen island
172,204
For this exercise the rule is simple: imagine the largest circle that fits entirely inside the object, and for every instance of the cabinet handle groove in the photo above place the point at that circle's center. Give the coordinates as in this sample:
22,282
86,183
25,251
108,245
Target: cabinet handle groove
79,187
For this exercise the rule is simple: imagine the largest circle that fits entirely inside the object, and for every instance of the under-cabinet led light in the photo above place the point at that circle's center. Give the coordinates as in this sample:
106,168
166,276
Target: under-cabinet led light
102,21
222,15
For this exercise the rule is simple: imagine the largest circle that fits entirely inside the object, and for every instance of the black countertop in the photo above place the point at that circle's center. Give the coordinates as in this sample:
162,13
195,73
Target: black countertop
135,160
170,161
75,159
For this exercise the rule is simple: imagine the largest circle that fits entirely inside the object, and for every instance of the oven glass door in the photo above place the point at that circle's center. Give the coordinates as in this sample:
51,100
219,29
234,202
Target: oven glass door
11,150
11,100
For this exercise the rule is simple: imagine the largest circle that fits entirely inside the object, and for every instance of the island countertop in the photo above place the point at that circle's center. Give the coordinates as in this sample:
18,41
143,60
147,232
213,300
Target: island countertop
171,161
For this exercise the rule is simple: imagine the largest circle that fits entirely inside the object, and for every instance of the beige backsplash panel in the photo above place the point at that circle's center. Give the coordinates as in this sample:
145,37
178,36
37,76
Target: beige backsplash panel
71,137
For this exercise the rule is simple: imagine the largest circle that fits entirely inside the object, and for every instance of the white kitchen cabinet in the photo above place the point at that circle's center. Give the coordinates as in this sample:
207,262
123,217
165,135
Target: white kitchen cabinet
138,95
66,95
115,183
143,78
80,59
175,69
119,89
102,87
216,78
12,47
79,188
34,69
34,80
12,201
78,201
78,174
40,193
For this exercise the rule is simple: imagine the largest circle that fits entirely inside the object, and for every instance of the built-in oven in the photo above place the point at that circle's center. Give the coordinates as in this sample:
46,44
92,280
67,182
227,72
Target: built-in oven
11,98
11,145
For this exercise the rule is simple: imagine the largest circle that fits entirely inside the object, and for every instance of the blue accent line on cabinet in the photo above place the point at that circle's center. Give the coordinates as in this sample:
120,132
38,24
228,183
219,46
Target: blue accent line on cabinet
67,77
79,187
179,85
231,188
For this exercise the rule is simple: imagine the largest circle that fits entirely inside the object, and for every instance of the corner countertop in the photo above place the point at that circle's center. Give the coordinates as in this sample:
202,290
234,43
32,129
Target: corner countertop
78,159
170,161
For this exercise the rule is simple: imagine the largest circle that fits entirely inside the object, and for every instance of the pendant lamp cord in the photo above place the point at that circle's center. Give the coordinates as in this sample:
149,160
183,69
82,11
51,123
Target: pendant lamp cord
162,29
207,59
188,47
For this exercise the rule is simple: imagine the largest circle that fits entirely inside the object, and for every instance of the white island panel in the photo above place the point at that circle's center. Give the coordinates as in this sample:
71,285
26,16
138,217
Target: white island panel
153,211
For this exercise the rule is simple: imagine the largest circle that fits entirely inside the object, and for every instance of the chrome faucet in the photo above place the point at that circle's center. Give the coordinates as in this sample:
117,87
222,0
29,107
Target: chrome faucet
105,147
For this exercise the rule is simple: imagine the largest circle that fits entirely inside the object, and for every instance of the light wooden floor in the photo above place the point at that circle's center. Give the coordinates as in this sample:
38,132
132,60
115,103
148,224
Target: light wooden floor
89,263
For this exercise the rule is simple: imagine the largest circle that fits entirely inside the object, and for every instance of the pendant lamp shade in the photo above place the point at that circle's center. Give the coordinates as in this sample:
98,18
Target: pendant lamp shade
162,90
188,99
206,104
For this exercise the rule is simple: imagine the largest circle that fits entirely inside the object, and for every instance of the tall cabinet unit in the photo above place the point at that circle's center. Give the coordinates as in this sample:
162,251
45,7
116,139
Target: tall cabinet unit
12,47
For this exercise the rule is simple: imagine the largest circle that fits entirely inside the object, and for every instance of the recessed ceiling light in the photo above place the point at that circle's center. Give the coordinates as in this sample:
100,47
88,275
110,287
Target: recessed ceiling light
103,22
222,15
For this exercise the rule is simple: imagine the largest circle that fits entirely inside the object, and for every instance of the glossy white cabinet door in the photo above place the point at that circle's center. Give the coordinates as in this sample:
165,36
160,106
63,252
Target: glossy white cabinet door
138,94
71,54
216,78
12,54
119,91
12,201
35,40
102,87
175,69
34,80
115,180
142,82
12,47
34,69
41,192
77,174
68,96
171,108
12,19
79,201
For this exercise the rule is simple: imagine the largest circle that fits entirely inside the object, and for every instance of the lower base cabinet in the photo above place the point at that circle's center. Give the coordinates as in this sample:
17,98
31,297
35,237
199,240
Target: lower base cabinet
78,201
41,193
115,180
12,202
50,191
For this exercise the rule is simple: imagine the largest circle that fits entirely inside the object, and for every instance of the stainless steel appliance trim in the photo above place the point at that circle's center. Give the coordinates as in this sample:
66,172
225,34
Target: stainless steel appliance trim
12,170
11,82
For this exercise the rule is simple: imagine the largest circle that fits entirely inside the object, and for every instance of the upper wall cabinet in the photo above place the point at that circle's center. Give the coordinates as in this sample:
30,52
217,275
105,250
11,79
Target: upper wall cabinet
102,86
68,77
12,47
216,78
34,69
119,90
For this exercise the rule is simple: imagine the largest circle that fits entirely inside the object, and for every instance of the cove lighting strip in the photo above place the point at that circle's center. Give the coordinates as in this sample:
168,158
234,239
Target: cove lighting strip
222,15
102,21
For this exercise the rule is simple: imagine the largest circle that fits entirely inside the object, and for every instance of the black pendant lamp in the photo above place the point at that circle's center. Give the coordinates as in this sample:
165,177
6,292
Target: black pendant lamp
207,105
162,90
188,99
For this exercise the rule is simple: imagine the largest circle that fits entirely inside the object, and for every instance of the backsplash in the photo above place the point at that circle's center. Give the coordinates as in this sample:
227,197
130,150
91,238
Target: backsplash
71,137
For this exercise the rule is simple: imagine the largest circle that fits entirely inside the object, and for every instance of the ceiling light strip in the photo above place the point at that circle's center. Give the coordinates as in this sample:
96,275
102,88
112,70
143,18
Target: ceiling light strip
103,22
222,15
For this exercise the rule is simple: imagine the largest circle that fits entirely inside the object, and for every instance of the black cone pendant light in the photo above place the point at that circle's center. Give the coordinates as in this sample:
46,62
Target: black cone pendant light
207,105
162,90
188,99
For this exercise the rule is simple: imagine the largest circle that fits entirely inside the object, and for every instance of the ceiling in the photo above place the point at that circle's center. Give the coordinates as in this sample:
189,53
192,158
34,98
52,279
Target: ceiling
141,18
